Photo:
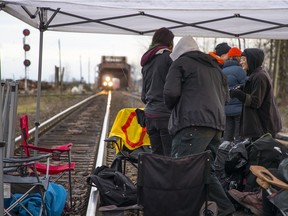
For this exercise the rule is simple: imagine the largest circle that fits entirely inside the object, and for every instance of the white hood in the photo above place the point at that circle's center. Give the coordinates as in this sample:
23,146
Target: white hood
185,44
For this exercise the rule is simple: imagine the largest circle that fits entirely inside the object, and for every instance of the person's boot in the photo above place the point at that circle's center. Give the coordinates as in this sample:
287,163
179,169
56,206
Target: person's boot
250,200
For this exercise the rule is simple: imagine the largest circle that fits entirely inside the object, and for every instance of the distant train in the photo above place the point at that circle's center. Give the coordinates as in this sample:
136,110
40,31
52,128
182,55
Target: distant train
110,83
107,82
114,73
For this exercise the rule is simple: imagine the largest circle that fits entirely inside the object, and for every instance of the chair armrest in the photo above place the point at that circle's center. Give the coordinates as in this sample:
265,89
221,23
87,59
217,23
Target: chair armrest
25,159
112,139
63,148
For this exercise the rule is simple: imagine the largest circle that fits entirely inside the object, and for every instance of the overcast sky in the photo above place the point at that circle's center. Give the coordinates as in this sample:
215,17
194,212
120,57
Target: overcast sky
77,50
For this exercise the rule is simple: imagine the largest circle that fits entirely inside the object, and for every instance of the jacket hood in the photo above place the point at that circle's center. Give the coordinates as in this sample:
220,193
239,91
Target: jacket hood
185,44
255,58
150,54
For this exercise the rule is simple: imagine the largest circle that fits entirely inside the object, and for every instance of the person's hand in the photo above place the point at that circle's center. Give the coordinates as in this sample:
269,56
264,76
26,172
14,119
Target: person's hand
236,93
240,87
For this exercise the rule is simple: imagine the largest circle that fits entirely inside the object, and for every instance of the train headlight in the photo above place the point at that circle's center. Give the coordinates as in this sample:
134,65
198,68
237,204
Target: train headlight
105,83
110,84
107,78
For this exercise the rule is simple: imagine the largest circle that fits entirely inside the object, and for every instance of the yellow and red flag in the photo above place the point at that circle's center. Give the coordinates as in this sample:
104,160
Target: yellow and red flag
128,129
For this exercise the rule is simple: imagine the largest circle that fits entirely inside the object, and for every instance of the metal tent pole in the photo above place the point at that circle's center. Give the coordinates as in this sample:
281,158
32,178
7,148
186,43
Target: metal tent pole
1,108
5,112
11,125
37,122
2,145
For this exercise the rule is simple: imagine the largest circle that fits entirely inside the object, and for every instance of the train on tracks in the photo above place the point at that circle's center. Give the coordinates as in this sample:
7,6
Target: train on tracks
114,73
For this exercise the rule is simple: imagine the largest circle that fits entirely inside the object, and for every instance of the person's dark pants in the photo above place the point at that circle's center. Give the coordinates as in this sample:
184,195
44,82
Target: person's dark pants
232,128
160,139
193,140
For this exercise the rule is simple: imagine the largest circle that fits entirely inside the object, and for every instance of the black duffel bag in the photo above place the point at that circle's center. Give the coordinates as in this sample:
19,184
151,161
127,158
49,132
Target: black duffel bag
114,187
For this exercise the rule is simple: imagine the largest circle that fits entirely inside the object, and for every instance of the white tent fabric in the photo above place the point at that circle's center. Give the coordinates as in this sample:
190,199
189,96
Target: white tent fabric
200,18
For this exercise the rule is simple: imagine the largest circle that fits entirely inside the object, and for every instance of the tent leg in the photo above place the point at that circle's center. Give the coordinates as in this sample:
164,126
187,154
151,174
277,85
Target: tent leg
2,144
37,122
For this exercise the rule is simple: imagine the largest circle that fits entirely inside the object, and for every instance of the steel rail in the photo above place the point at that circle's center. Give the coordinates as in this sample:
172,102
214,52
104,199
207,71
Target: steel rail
94,195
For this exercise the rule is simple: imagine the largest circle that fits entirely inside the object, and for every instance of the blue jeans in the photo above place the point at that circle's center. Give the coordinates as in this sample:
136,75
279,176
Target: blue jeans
160,139
193,140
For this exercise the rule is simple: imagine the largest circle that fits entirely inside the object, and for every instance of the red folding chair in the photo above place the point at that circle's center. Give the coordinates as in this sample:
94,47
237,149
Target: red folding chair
57,170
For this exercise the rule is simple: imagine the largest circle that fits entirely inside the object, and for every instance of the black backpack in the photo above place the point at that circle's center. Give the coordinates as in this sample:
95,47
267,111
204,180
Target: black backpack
267,152
230,163
114,187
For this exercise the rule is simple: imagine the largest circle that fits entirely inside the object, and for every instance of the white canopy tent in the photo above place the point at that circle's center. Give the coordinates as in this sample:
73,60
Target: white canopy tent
200,18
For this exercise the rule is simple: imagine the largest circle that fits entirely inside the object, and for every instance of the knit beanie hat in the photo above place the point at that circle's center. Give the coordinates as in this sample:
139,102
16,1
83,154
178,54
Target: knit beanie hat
234,52
222,48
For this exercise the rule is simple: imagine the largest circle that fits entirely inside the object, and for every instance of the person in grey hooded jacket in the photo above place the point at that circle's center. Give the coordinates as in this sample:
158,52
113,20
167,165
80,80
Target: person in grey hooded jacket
260,114
196,91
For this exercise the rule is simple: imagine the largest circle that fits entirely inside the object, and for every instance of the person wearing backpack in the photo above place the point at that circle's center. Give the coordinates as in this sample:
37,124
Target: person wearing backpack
260,114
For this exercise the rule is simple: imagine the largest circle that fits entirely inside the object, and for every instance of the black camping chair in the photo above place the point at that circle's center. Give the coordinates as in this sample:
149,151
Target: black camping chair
173,186
129,139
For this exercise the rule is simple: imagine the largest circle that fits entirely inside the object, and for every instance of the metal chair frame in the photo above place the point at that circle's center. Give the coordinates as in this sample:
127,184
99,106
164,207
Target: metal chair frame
20,173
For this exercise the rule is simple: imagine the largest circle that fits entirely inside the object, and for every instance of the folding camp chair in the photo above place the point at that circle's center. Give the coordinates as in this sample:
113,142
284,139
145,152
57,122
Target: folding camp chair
20,181
128,138
55,170
173,186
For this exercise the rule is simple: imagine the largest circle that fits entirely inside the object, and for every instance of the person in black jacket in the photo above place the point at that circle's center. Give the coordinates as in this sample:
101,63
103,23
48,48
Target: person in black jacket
196,91
155,65
259,114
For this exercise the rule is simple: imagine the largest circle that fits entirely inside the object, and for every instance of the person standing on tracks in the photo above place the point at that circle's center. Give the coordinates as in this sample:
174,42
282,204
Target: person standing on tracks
196,91
155,65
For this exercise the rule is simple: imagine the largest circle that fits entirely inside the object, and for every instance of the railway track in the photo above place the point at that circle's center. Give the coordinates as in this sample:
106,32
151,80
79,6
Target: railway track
81,125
